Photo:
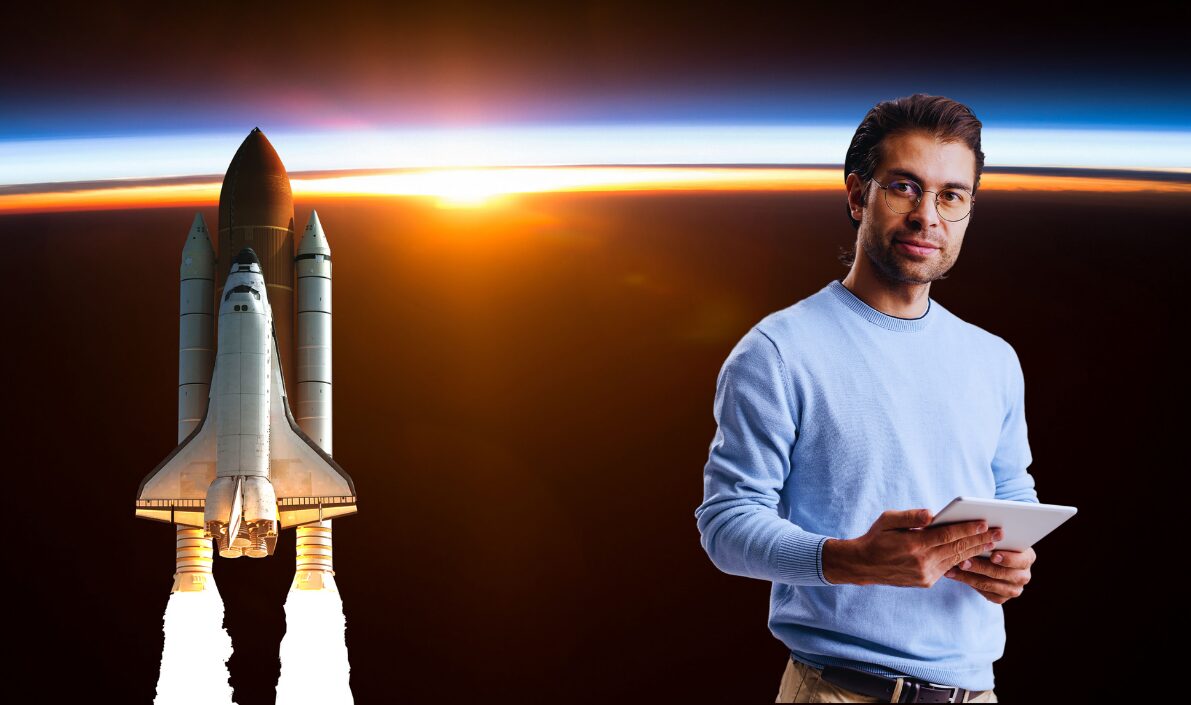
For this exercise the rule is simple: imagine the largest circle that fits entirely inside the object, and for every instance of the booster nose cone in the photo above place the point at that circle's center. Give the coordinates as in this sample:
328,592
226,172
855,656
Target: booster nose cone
314,241
247,256
198,255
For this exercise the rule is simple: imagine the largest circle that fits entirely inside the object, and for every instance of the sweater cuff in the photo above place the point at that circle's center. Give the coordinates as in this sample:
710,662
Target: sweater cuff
800,558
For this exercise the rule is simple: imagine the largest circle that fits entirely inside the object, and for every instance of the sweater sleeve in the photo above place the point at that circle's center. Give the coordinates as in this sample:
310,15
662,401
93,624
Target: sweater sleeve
1013,450
748,463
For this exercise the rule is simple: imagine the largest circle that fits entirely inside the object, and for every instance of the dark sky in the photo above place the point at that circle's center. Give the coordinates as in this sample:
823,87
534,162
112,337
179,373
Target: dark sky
523,397
144,67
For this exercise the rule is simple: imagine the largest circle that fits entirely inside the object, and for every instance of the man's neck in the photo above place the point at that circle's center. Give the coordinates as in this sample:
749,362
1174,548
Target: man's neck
889,297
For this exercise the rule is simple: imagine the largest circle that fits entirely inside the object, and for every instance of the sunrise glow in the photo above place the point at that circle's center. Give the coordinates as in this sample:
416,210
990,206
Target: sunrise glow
471,188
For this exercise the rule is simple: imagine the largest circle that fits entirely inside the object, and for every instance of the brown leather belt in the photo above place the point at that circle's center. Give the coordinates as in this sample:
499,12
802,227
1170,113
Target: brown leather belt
897,690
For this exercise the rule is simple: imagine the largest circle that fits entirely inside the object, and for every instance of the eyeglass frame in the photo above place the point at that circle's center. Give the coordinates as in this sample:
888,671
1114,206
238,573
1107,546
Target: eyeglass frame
917,203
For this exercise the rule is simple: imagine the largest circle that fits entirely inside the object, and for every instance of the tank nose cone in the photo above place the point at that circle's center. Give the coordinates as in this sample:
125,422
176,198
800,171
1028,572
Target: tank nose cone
247,256
256,190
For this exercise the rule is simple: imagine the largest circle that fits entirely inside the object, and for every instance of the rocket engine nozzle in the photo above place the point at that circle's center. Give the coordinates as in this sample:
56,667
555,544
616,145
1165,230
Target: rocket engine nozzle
192,572
255,539
241,516
315,569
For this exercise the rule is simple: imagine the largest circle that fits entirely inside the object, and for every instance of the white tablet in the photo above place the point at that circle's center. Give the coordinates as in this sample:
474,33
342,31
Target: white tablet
1024,523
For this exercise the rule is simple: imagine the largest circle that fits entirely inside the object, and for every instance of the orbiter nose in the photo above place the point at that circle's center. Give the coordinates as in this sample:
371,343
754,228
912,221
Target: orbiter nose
246,256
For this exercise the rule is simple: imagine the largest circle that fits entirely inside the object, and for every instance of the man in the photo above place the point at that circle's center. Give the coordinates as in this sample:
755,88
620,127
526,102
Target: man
847,419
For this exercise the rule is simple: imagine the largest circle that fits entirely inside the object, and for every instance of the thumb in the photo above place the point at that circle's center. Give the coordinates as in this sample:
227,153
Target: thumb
905,519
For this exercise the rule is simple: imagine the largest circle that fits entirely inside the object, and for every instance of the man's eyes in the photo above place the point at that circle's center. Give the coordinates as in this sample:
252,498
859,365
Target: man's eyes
912,188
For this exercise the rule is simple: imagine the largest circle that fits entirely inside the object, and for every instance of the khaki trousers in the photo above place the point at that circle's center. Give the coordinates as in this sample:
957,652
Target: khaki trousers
802,684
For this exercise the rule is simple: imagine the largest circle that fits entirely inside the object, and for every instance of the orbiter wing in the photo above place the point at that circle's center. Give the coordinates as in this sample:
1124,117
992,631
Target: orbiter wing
310,485
176,490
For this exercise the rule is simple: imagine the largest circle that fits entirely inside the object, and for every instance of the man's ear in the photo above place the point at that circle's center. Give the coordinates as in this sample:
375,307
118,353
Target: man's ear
857,191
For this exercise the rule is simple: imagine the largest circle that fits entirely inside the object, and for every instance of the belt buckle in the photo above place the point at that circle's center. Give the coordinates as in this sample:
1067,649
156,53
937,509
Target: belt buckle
912,688
954,691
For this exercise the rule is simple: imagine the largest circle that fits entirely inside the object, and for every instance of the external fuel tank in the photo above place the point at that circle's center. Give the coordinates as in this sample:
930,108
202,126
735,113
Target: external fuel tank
256,210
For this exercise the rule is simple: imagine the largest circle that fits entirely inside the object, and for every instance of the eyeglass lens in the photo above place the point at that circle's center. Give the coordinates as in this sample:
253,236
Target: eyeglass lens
903,196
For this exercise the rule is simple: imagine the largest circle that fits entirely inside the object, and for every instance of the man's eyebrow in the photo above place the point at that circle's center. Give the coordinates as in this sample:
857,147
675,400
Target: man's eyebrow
912,175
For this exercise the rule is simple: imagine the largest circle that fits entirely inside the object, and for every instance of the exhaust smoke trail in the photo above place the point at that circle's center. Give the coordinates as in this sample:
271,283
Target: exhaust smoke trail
197,647
314,665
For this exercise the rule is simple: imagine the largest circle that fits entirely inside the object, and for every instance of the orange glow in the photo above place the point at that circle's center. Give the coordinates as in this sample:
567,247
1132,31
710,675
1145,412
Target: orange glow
469,188
473,187
111,196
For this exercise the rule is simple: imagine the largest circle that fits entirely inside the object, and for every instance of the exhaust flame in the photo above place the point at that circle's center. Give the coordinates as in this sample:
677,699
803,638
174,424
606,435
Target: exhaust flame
197,647
314,665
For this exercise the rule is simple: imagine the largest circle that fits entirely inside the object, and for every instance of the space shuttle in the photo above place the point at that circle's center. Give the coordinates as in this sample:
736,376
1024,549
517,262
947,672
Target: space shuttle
248,462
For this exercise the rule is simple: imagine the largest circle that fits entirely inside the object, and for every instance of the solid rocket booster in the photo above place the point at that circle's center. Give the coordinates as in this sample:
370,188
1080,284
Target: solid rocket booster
196,357
196,349
314,569
314,334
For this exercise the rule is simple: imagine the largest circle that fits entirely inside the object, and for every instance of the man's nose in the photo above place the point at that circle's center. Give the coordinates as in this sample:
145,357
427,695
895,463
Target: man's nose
926,213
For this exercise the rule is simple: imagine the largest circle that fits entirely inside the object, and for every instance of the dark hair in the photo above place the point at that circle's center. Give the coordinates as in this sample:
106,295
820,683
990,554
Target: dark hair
943,118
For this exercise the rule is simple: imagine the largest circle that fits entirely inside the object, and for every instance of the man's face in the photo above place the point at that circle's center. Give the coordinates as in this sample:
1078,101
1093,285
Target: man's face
886,236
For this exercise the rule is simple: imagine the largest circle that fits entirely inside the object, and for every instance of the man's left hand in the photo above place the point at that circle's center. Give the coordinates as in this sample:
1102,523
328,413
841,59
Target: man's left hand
998,580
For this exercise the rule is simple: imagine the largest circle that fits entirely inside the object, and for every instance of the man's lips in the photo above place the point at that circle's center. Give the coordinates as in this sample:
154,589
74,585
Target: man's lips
921,248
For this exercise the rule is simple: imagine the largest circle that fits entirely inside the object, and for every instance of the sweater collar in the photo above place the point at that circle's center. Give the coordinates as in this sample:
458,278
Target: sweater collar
872,315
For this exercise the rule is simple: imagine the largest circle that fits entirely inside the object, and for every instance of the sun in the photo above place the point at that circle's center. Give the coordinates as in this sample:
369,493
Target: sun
465,188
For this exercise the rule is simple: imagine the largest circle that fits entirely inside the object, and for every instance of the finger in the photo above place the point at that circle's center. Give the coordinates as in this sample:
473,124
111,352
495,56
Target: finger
1014,559
974,552
986,567
961,576
966,547
946,560
951,533
984,583
906,519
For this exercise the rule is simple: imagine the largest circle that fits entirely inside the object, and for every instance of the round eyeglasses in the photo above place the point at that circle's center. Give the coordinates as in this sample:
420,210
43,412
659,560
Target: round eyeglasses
904,195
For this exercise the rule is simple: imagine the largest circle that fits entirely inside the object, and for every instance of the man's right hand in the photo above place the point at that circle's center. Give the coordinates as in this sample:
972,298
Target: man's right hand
900,550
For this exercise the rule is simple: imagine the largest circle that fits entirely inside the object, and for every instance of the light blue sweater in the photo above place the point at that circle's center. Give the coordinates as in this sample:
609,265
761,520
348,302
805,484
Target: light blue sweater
831,412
